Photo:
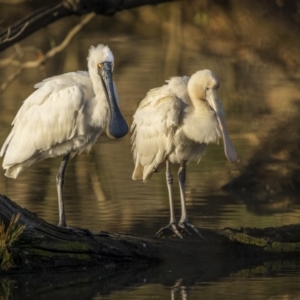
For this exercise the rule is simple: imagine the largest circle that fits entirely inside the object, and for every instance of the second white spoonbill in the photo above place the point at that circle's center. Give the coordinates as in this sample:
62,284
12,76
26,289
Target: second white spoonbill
173,125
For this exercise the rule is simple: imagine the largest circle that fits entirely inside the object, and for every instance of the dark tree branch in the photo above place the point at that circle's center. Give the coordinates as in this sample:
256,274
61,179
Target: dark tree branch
32,23
38,245
42,58
53,12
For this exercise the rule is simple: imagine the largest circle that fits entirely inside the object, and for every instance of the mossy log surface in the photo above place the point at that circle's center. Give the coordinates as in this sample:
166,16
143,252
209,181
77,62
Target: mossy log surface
43,246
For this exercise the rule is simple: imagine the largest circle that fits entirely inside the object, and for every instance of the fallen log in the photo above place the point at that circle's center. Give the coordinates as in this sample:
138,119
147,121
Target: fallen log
41,246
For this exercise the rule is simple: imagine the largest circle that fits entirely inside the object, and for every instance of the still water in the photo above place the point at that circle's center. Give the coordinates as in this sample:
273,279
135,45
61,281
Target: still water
100,194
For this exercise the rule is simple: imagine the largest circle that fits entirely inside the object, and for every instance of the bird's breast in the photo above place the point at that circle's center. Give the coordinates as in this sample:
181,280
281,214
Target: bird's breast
96,114
201,127
193,136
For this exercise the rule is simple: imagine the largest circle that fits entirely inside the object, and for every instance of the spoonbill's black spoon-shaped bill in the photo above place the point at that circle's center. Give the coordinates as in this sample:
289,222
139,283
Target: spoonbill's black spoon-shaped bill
64,117
173,125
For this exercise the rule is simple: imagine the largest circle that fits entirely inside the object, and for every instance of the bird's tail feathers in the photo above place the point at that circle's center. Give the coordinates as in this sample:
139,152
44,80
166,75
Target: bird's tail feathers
13,171
138,172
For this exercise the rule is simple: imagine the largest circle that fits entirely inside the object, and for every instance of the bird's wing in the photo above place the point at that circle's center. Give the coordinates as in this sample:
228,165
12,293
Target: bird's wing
154,125
47,117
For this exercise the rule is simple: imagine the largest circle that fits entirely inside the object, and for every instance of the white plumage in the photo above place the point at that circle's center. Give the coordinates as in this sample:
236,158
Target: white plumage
174,124
65,116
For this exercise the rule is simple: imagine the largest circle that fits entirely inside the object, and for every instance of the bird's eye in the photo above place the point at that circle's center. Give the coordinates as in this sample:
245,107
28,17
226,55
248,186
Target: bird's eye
100,66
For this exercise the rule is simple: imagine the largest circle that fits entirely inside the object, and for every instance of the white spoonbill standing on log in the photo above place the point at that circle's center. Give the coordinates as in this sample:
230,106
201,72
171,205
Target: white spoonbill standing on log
64,117
173,125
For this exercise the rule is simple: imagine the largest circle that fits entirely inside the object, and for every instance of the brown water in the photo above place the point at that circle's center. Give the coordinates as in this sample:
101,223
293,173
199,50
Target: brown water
100,194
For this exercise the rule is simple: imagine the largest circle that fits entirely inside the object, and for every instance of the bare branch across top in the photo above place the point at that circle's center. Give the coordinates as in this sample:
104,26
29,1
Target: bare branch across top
53,12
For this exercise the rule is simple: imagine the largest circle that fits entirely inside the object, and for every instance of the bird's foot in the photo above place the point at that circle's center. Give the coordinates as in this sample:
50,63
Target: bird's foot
62,224
173,227
190,228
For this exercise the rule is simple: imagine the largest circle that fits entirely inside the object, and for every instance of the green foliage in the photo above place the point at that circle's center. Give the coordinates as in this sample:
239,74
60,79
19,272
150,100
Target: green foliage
8,237
6,288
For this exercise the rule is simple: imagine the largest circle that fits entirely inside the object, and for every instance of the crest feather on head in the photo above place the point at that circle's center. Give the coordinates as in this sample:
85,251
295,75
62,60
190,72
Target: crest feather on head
98,54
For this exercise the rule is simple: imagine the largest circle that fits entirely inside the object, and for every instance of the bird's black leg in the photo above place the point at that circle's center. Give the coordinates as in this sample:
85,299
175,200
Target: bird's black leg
59,184
60,177
169,180
172,225
184,222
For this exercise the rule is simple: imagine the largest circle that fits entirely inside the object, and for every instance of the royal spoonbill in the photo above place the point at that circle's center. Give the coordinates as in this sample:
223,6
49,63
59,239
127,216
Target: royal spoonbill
173,125
64,117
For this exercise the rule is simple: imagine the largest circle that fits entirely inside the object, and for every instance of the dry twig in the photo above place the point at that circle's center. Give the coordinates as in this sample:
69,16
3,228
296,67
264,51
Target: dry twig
42,58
